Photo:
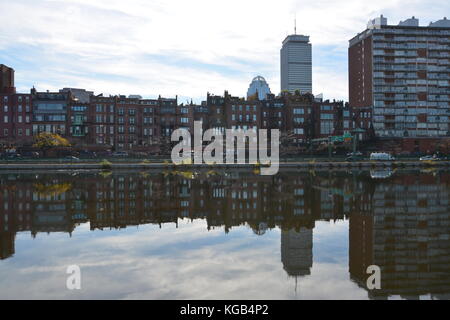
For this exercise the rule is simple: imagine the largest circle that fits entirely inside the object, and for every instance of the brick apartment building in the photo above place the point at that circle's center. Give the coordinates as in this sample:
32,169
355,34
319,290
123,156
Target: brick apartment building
15,111
116,123
399,81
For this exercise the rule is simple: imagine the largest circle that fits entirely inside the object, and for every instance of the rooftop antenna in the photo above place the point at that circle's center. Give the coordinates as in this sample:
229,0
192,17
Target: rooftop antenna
295,24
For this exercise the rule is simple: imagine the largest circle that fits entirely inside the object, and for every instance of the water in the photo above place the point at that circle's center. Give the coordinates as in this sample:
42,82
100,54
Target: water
225,235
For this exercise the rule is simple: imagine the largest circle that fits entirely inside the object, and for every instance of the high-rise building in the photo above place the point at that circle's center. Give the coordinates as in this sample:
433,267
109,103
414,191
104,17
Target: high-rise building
296,64
260,86
401,75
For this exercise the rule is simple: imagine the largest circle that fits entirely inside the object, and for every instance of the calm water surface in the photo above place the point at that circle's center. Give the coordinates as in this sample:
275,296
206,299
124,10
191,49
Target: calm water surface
225,234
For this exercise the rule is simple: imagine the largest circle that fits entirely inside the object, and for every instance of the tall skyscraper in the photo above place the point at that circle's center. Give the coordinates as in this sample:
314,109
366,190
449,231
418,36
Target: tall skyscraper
296,64
401,75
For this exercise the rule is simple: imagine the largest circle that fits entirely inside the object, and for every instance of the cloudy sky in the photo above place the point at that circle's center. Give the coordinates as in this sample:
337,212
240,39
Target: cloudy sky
185,48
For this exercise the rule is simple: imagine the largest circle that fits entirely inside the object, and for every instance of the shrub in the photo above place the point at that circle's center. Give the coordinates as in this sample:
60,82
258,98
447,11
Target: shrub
106,165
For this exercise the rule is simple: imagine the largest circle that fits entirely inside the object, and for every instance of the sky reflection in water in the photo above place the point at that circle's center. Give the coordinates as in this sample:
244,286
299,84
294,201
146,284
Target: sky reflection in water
305,238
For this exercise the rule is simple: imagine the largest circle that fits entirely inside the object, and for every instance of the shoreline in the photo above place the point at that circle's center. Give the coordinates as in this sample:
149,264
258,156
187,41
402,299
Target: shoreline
303,165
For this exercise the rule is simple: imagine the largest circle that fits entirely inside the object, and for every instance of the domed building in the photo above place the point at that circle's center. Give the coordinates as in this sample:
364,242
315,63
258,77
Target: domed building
259,85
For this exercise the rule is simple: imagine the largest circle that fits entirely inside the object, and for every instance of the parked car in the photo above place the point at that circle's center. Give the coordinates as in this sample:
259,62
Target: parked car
87,154
120,154
381,156
357,153
30,154
354,157
71,159
430,158
11,155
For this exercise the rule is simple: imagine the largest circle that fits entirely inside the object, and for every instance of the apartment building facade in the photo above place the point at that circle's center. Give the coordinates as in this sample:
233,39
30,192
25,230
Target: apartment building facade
121,123
401,75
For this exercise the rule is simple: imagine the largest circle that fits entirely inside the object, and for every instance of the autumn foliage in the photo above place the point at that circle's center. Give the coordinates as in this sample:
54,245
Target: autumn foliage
47,140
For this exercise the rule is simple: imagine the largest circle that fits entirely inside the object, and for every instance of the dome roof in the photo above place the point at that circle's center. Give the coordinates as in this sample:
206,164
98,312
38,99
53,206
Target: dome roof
260,86
259,79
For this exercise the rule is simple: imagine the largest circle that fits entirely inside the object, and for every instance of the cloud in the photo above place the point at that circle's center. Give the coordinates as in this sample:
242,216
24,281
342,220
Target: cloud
183,48
175,263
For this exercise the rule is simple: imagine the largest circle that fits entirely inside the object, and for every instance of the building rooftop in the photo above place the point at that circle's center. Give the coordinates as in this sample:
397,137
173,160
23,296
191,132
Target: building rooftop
382,21
296,38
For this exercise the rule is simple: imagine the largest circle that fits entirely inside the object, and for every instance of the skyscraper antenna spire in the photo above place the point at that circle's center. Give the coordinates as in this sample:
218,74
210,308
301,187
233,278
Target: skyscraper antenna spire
295,25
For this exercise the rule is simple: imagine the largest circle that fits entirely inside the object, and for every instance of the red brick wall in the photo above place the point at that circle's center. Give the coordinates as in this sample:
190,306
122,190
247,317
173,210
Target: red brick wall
360,92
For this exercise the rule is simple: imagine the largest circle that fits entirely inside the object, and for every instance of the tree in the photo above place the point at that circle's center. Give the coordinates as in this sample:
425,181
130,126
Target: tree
47,140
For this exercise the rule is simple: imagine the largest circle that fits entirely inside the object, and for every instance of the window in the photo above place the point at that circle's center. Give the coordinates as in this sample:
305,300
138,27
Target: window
299,111
19,132
299,131
5,108
326,127
19,119
326,116
346,124
5,119
132,112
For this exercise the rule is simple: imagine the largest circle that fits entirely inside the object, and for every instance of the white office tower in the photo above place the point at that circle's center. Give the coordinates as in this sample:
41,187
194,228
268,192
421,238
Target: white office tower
259,85
296,64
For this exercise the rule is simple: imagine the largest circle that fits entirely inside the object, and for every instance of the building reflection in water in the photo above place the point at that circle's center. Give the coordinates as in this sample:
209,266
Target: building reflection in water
400,222
404,228
296,251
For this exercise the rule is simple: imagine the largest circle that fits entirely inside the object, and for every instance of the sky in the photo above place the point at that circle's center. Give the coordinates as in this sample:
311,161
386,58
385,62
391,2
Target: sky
185,48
